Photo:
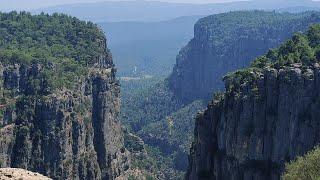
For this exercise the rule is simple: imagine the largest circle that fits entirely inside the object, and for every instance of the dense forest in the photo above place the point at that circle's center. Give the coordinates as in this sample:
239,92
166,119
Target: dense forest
150,111
61,46
58,40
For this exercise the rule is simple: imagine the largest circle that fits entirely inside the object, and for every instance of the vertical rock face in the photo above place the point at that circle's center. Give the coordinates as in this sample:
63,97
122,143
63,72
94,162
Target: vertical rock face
268,116
63,133
108,141
226,42
251,136
66,134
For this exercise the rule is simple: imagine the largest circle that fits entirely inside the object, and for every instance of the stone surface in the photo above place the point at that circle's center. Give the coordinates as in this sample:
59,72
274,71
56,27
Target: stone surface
64,134
226,42
20,174
254,130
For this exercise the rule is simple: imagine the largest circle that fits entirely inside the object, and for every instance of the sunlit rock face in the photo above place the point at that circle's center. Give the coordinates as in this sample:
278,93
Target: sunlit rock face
64,133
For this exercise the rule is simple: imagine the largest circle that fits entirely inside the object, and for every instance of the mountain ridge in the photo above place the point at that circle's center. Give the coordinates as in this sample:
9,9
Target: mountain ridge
137,10
218,47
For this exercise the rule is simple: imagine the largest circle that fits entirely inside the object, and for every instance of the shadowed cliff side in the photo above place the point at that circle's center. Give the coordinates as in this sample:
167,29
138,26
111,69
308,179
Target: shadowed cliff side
268,115
225,42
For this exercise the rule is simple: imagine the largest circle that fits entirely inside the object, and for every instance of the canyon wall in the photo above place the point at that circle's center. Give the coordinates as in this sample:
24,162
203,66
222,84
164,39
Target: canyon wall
268,115
54,123
226,42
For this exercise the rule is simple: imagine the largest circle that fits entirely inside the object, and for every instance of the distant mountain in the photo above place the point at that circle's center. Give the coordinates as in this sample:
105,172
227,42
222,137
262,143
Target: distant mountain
298,9
267,116
145,36
159,11
148,47
132,10
229,41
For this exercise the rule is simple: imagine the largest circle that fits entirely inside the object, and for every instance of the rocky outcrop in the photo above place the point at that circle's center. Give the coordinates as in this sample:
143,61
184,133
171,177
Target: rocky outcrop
20,174
226,42
59,99
63,133
6,144
253,129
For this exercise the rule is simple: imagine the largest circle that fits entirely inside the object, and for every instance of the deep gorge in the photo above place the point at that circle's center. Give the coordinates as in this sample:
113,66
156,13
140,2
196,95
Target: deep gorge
241,102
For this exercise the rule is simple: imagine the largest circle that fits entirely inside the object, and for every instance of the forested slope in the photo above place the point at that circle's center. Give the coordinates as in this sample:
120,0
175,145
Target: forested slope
163,114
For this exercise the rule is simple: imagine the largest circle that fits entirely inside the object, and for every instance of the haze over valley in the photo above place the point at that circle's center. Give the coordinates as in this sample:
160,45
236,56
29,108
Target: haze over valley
175,89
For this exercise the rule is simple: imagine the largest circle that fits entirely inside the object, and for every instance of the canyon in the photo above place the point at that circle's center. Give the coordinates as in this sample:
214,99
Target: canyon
267,116
62,114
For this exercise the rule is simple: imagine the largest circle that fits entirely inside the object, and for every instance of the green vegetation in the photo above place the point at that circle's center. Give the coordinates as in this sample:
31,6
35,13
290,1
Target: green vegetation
227,42
237,79
64,46
39,56
304,168
176,130
301,49
234,25
132,143
145,102
150,110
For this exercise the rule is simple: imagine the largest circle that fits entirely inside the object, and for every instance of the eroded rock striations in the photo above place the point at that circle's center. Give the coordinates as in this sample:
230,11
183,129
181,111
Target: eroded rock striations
225,42
68,132
268,115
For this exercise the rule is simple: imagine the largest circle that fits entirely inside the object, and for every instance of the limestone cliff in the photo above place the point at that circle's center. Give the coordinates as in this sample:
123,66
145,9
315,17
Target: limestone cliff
268,115
68,131
20,174
226,42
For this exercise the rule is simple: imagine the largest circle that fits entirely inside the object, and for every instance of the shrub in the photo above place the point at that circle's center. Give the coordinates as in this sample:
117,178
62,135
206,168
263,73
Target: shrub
304,168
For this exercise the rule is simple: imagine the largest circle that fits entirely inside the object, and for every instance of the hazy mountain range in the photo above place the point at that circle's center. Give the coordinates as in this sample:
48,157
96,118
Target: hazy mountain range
159,11
145,36
148,47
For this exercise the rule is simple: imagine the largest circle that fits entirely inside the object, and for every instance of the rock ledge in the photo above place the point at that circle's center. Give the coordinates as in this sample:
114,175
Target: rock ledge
21,174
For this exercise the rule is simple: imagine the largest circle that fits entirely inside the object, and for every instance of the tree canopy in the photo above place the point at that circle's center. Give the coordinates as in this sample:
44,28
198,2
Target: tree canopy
60,41
304,168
